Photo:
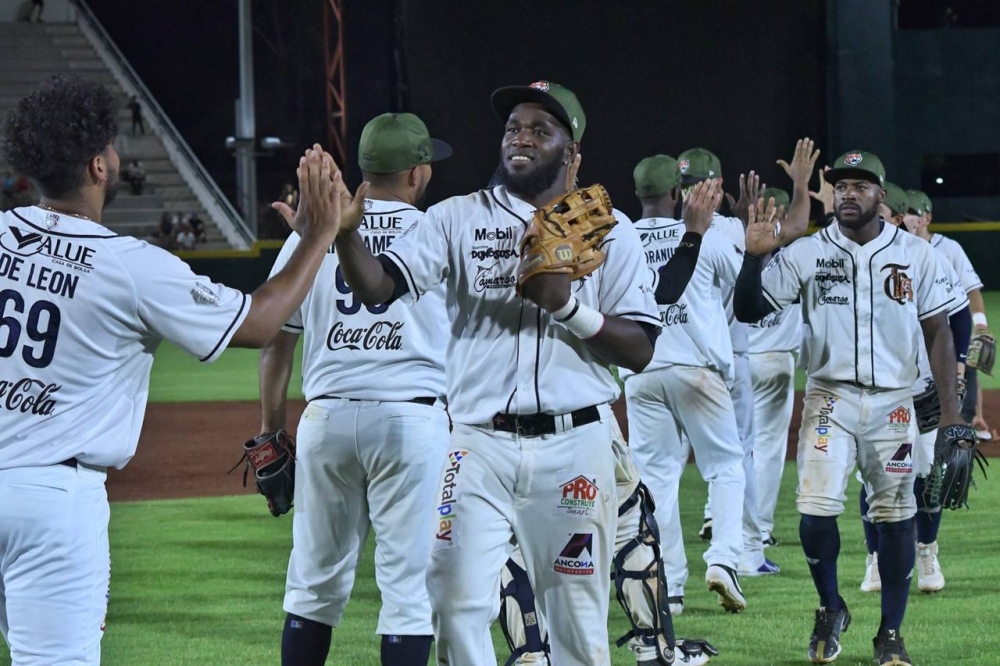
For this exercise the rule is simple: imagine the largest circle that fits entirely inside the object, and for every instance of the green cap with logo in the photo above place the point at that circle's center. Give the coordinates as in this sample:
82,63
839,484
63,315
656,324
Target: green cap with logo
781,197
396,142
920,203
558,100
697,164
896,198
656,175
857,165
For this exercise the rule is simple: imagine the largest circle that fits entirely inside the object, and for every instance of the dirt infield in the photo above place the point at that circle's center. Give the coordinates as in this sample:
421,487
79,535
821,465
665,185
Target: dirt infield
186,448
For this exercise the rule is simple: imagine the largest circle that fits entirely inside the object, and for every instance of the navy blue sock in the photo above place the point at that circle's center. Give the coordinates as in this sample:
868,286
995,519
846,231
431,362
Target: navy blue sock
928,520
871,532
820,538
305,642
897,552
406,650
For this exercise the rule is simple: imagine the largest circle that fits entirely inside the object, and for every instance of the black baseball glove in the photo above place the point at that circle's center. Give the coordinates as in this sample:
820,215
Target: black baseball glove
955,455
272,457
927,405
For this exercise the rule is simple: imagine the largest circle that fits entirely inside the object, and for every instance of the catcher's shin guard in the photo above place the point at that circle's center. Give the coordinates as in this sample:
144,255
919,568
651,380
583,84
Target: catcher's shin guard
520,622
640,585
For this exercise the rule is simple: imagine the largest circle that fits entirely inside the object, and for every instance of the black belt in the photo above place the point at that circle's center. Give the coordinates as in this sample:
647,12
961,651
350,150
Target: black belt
532,425
72,462
419,401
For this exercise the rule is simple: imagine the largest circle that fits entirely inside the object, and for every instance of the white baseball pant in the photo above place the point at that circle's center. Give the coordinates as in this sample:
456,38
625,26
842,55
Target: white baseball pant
55,564
742,394
773,376
360,465
663,404
495,485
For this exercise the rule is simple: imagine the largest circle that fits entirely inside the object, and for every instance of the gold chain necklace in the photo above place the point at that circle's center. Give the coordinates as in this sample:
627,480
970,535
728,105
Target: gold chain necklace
62,212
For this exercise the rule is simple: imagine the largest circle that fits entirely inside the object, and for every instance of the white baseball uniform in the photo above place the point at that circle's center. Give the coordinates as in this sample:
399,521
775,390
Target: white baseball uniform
862,305
685,391
370,442
82,312
555,491
959,260
773,343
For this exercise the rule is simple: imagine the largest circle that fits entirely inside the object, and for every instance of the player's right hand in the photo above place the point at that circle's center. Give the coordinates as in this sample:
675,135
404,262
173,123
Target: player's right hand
764,228
701,204
825,194
803,162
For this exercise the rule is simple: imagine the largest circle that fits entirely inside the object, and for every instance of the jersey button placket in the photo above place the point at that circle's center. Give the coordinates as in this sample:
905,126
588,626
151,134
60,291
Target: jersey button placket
863,308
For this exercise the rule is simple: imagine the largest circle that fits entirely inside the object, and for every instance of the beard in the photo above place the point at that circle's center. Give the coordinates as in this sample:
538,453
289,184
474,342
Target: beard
111,189
864,217
529,185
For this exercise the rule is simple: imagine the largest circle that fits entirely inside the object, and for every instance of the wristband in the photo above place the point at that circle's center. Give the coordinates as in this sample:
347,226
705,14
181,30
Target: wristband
582,320
979,319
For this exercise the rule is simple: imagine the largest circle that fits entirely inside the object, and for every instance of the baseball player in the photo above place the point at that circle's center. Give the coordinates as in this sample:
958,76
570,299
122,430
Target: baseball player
528,388
866,288
685,389
84,310
372,437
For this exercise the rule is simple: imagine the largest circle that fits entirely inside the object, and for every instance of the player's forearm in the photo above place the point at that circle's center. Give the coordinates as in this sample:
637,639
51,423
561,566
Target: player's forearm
960,324
622,342
976,303
749,304
676,273
941,354
362,271
276,360
274,301
797,219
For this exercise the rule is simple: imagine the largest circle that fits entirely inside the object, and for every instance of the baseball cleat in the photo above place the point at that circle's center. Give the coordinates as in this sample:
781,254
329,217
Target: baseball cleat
872,581
705,533
769,541
889,649
930,578
766,569
694,651
824,644
676,604
725,582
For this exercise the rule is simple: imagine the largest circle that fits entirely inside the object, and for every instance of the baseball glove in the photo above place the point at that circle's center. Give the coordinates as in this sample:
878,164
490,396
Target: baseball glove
955,455
272,457
982,351
567,235
927,405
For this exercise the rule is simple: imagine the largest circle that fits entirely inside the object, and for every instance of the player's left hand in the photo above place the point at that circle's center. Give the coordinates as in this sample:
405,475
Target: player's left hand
750,190
764,228
803,162
549,291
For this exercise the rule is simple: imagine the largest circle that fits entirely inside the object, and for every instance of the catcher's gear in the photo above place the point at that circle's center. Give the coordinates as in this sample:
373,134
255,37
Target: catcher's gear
955,453
927,405
567,235
272,457
521,623
982,351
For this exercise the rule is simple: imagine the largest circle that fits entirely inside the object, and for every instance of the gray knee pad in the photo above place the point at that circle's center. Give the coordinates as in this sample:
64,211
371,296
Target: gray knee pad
640,585
519,620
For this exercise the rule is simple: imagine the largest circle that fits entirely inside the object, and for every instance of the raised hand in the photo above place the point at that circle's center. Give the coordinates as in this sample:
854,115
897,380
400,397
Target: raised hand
803,162
701,205
764,228
825,194
750,190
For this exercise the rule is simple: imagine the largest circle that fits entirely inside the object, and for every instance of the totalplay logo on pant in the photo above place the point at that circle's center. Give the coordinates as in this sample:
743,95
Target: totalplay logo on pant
445,536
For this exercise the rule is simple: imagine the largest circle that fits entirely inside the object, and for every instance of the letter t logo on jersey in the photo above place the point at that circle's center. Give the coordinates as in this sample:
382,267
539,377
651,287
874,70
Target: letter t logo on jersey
898,285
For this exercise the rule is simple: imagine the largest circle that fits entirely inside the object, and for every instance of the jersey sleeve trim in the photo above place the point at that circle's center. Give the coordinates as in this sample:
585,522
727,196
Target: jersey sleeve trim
640,315
943,307
770,299
227,336
292,328
405,271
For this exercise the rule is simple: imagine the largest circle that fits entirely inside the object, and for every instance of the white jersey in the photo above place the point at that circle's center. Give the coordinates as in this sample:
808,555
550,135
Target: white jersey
695,329
961,301
959,261
733,228
777,332
861,304
83,311
382,352
505,355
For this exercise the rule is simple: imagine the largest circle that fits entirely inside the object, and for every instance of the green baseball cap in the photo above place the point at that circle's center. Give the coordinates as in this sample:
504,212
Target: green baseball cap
857,164
920,202
395,142
656,175
895,198
698,164
781,197
559,100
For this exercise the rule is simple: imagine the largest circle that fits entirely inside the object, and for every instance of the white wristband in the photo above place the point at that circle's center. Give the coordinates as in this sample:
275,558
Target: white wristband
979,319
582,320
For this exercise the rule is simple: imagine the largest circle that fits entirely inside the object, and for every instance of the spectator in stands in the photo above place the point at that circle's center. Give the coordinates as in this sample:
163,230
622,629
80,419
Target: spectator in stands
185,237
290,196
35,13
137,119
135,174
165,231
197,226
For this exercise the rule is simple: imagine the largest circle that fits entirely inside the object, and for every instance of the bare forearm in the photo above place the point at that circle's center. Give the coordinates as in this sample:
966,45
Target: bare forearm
276,360
622,342
363,273
976,303
797,220
941,353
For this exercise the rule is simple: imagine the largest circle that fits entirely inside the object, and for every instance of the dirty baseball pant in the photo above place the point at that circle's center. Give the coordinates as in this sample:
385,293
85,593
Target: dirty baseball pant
663,404
842,423
360,465
54,564
773,376
554,493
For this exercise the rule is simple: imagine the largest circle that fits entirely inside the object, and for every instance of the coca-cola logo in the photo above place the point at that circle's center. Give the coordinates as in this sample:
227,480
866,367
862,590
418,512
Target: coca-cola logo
674,314
382,335
19,396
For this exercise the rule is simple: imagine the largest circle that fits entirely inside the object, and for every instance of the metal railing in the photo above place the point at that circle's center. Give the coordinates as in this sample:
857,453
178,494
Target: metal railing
204,187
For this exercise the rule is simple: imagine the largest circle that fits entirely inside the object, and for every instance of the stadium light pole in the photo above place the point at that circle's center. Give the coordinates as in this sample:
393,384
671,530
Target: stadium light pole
246,124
